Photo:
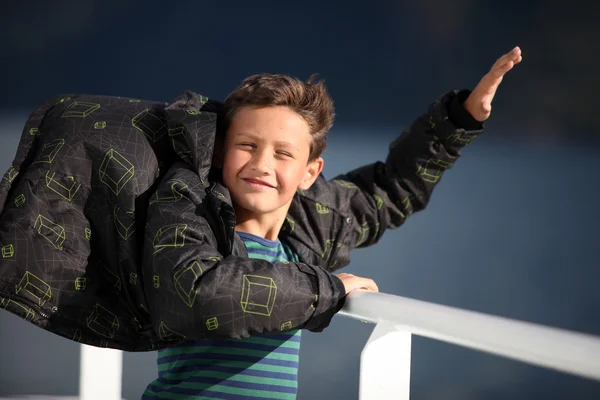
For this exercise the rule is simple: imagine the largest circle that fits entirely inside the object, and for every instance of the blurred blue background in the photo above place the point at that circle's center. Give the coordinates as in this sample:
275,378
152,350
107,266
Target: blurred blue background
511,229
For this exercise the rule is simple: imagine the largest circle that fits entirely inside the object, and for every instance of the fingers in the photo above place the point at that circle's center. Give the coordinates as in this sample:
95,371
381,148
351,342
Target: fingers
479,102
352,282
506,62
370,285
513,55
366,284
499,71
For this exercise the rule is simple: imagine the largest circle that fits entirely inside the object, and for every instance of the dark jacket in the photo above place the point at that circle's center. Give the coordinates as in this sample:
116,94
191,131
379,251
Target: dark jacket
114,234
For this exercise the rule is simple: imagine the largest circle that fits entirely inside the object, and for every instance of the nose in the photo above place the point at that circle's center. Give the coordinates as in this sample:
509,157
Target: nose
262,161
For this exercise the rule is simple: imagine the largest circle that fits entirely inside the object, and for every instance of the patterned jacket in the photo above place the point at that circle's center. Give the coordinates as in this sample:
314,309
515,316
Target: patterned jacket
113,232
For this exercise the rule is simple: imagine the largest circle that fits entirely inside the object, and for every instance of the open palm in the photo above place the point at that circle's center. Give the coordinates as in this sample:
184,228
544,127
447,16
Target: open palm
479,102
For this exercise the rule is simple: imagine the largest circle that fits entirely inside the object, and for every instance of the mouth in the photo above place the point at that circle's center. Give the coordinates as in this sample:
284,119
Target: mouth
257,183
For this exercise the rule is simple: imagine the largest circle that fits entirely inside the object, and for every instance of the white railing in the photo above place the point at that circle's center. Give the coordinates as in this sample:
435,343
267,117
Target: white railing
100,373
385,359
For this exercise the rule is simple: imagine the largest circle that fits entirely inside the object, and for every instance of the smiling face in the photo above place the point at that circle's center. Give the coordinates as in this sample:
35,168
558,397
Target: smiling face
265,160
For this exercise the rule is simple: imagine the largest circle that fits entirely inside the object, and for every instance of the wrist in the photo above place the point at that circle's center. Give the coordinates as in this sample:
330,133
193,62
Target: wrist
461,112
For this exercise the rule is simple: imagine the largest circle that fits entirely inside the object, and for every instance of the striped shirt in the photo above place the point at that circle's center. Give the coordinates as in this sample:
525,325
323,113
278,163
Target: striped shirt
259,367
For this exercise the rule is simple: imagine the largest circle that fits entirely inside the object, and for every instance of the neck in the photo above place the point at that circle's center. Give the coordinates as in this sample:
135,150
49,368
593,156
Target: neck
265,226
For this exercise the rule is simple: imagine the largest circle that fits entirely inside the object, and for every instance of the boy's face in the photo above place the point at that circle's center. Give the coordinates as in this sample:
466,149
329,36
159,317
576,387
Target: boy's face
265,160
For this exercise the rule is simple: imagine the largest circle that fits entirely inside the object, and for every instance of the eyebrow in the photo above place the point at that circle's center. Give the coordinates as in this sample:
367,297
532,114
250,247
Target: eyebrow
258,138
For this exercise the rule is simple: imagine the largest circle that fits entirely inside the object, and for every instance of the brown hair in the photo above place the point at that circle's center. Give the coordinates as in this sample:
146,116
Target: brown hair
309,99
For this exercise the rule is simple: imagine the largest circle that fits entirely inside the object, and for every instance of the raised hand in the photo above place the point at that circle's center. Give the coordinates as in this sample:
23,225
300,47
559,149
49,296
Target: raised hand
479,102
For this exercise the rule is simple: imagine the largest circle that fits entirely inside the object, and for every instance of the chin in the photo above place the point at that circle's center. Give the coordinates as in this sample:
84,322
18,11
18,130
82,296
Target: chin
260,206
256,205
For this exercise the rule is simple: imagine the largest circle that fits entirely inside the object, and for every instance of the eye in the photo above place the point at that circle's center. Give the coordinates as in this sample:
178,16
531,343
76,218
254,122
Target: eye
246,145
284,154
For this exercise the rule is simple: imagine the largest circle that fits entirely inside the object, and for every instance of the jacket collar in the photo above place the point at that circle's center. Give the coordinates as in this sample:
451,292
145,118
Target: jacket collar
192,126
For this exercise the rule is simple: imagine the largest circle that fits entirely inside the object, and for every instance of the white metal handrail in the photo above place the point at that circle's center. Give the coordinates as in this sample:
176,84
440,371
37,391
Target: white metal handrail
100,373
385,360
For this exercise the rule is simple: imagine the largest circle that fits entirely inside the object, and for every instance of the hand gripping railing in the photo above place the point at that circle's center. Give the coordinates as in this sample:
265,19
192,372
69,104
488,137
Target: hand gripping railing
385,359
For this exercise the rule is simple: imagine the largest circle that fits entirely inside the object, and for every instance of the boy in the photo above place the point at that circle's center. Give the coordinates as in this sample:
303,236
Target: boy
82,258
251,282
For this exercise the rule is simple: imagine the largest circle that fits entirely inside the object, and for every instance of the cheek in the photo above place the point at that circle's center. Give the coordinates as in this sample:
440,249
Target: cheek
232,162
292,177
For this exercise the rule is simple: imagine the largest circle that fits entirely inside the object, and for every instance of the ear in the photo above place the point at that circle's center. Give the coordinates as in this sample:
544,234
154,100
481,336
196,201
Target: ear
313,170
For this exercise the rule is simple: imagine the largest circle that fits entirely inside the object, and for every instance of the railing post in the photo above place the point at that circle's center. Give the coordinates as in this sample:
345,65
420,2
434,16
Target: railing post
385,364
100,373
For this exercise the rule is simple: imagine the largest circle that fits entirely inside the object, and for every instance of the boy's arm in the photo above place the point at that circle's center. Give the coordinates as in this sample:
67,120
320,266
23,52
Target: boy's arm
196,292
382,195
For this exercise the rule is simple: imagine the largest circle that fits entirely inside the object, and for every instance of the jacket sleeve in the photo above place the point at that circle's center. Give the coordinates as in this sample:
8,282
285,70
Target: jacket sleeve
383,195
195,291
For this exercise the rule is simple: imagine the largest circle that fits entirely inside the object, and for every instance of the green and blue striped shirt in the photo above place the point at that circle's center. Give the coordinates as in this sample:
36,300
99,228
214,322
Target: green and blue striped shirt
259,367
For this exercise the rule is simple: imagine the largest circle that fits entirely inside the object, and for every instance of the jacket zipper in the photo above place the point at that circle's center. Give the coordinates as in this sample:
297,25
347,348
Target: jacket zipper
28,303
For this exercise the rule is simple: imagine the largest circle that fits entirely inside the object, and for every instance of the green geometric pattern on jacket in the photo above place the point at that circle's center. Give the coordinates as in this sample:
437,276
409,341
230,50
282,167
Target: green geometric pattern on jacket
112,234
